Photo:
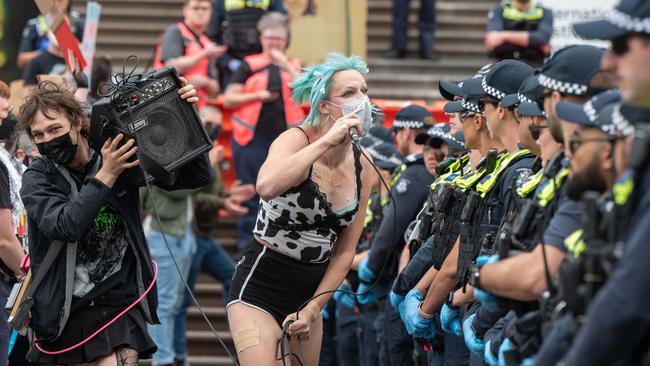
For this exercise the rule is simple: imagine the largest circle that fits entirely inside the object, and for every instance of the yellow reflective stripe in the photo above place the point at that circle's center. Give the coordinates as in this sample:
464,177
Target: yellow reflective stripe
504,161
530,185
402,168
546,195
468,180
369,215
41,27
622,191
230,5
512,13
574,243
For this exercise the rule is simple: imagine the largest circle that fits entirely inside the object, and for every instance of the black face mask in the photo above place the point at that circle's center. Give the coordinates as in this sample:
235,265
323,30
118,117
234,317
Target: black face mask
60,149
7,126
213,130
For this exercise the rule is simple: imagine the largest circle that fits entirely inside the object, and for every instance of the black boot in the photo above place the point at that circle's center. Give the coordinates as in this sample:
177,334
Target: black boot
393,54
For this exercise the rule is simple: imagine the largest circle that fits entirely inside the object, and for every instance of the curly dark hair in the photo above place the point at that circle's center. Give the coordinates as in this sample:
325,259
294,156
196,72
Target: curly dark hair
48,97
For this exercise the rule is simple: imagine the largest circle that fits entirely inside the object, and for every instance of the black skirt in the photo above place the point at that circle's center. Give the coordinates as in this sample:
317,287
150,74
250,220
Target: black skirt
273,282
128,331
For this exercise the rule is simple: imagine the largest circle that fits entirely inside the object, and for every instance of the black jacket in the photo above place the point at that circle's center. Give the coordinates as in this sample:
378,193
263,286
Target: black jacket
53,215
407,196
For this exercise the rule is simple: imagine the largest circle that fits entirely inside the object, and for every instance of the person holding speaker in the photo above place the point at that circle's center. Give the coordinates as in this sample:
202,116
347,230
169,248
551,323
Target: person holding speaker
97,291
314,188
260,97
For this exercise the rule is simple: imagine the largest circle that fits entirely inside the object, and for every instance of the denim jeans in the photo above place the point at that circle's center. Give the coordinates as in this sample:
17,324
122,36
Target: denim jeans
170,288
5,331
212,259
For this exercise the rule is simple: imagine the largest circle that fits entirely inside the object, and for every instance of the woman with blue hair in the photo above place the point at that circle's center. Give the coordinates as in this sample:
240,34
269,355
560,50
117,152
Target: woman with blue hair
314,186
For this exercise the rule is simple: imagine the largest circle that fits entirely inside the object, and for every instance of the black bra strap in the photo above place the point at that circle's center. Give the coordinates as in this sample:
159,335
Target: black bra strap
311,167
303,131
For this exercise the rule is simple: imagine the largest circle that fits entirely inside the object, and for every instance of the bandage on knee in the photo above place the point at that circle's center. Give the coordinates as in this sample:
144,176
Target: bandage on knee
246,335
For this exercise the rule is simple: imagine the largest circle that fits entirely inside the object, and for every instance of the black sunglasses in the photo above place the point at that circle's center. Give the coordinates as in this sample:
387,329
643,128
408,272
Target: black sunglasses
620,45
575,143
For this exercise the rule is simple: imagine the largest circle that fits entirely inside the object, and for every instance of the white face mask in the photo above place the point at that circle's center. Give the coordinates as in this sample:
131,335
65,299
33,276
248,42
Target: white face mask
362,108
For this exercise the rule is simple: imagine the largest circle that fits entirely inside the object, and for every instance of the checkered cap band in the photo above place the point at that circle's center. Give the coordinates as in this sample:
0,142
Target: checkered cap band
381,157
620,123
408,124
628,22
561,86
445,136
470,106
590,110
492,91
524,99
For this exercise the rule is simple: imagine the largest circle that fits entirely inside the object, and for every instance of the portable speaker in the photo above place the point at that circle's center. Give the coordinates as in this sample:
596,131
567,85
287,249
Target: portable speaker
168,130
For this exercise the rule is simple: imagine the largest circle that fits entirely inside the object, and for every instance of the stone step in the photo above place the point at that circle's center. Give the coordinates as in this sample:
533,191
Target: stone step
478,7
397,92
217,316
443,49
444,65
208,291
204,343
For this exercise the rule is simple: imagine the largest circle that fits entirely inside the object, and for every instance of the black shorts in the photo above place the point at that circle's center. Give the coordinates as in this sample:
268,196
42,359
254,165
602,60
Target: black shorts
273,282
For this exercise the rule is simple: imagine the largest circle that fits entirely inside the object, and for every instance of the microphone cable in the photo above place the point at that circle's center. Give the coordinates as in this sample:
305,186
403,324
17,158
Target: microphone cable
284,337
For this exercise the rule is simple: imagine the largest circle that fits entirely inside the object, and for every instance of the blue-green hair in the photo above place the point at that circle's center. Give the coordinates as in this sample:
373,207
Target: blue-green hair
313,85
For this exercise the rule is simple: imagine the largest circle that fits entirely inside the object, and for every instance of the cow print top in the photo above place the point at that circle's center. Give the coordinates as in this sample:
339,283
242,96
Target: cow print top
301,223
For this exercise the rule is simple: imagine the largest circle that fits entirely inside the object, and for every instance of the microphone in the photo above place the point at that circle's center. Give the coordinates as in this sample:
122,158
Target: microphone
354,134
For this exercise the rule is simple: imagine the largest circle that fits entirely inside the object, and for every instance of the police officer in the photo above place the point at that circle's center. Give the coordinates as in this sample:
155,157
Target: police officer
234,24
427,20
618,318
359,340
521,30
572,74
409,190
34,40
566,77
597,159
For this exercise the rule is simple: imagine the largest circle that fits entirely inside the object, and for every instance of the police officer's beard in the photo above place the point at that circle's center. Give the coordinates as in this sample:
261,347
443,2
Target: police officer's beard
590,179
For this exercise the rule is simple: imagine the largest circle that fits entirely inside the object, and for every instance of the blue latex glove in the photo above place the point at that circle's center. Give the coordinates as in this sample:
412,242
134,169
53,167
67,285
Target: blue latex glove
506,345
488,301
344,298
474,344
450,320
395,299
528,362
489,357
482,260
365,274
364,297
325,314
416,325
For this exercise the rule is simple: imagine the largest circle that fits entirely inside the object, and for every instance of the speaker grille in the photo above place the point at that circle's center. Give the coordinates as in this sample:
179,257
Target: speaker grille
171,131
